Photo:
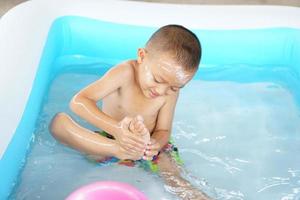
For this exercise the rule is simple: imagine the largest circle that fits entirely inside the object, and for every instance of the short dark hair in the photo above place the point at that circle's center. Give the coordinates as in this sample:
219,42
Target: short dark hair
180,42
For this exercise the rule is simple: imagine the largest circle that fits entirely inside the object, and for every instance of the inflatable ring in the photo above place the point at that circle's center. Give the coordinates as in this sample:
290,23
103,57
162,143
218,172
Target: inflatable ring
107,190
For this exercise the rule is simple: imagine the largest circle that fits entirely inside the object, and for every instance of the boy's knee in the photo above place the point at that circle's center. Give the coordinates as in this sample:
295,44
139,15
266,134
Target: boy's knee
57,123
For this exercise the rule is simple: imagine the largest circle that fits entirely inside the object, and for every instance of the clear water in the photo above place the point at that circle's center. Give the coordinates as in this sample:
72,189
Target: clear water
237,140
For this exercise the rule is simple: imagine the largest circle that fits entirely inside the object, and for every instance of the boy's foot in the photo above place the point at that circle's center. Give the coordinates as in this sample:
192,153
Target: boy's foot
137,126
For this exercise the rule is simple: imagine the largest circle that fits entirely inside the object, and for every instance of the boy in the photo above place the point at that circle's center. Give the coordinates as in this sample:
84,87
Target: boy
139,98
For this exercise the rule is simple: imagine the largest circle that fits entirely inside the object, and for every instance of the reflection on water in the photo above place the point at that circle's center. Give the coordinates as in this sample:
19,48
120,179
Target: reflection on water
237,140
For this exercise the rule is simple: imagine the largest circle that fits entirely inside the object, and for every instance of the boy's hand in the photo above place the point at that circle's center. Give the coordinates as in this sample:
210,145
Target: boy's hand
132,143
152,150
123,154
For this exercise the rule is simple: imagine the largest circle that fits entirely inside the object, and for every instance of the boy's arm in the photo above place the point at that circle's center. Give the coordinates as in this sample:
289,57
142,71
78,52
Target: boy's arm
165,116
84,102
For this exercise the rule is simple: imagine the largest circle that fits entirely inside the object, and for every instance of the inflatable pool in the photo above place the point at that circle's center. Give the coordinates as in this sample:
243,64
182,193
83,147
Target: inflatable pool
36,37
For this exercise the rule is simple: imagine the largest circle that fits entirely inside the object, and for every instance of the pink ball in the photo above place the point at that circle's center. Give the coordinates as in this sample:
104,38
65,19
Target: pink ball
107,190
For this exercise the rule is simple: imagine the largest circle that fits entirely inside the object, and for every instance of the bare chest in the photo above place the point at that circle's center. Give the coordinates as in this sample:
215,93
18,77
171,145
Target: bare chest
130,102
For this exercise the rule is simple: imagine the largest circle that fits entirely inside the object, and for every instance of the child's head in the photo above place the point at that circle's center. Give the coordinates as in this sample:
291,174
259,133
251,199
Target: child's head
169,60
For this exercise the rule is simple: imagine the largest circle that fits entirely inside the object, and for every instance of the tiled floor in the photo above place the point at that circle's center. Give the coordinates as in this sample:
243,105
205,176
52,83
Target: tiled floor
5,5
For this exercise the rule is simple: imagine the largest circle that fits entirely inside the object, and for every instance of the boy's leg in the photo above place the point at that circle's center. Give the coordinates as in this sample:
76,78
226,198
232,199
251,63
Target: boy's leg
171,173
72,134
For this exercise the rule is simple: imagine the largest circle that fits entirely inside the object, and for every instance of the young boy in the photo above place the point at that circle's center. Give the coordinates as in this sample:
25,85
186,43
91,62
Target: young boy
139,98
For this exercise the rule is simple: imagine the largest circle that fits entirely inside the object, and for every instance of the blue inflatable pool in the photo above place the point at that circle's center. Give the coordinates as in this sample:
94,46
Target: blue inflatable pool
73,38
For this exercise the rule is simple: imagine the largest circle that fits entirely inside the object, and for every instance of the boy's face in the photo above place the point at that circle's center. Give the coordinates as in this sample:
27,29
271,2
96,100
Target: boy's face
159,74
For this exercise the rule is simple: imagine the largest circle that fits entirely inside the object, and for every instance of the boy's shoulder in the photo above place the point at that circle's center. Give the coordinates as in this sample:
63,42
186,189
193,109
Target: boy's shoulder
125,69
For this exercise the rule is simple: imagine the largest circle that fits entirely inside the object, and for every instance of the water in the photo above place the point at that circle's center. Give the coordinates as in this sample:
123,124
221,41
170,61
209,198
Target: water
238,141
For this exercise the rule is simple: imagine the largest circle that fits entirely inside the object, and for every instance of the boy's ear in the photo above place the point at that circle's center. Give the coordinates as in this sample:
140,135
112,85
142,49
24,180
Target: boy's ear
141,55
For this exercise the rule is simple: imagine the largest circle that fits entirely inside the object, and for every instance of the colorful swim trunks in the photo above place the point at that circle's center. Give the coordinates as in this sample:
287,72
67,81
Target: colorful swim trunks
149,165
